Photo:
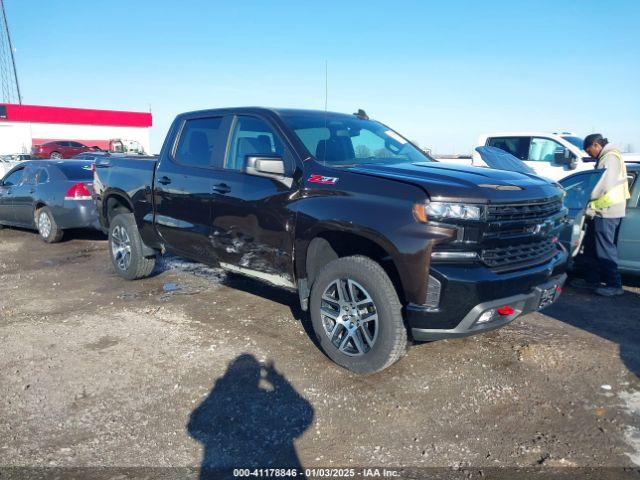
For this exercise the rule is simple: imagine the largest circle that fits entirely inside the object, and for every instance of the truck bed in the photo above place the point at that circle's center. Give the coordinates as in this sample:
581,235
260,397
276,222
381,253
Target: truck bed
130,175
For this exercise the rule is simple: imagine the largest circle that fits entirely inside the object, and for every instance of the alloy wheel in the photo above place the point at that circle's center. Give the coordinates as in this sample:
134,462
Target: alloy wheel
349,317
44,225
121,247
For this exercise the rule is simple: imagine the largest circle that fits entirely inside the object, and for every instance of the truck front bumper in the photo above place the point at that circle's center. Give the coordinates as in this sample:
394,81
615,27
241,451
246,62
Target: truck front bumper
486,316
471,298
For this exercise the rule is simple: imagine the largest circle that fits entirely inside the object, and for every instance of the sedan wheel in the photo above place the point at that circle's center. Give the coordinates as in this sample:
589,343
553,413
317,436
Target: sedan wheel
48,229
56,156
44,224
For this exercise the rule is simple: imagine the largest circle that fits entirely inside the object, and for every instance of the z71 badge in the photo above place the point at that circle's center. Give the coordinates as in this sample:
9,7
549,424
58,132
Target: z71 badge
315,178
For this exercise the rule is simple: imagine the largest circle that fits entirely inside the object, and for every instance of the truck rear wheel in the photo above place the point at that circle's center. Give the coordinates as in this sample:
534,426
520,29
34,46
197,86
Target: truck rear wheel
357,316
125,248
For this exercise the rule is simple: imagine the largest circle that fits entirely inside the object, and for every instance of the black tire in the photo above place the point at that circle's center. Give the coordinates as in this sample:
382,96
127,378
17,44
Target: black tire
137,265
56,156
47,227
391,340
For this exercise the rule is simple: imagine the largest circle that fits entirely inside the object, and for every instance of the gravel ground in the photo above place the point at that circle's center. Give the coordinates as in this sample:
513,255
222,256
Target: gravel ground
192,367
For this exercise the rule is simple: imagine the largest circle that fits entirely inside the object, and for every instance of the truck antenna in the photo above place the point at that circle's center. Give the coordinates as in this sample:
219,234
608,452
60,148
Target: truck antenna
326,85
326,103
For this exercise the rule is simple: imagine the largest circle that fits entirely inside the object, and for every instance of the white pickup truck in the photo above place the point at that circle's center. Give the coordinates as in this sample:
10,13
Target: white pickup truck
550,155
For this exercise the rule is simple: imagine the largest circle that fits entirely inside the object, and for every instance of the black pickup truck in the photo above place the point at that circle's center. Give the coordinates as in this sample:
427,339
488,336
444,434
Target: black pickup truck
383,245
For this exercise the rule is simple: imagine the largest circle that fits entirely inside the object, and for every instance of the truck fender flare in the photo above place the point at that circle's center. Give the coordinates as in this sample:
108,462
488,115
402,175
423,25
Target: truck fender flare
118,194
313,241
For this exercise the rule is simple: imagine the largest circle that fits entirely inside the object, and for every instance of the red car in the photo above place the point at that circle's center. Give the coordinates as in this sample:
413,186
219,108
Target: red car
58,149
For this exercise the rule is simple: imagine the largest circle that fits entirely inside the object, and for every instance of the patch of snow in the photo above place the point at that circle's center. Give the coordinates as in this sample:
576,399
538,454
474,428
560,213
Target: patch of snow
632,433
170,262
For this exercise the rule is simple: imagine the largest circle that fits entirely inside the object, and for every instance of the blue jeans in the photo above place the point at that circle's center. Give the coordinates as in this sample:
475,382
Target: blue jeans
601,251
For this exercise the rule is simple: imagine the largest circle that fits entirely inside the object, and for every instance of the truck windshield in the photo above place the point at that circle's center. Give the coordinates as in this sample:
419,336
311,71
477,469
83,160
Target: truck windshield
344,140
577,141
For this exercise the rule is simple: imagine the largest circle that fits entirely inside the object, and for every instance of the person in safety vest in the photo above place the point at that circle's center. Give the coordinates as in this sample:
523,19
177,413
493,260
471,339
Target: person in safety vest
605,212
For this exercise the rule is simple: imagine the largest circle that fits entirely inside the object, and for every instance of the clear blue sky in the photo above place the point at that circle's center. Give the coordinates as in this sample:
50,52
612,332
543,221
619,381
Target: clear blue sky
440,72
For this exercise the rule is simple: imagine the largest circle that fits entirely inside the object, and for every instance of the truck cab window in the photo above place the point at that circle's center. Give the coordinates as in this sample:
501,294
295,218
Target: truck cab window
543,149
196,142
253,136
516,146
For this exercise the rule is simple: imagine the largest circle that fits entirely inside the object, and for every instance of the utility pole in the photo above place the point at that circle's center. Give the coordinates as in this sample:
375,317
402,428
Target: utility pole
8,72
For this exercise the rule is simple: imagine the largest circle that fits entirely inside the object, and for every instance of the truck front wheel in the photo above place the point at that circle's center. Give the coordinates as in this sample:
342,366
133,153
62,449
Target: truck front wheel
125,248
357,316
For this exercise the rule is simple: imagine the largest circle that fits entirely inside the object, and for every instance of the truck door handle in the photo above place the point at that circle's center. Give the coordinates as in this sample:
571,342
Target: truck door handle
164,180
221,188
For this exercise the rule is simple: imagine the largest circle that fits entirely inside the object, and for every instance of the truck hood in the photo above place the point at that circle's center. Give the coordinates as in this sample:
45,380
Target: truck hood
450,182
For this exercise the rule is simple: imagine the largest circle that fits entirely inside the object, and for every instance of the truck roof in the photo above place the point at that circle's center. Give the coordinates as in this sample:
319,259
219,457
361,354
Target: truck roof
527,133
284,112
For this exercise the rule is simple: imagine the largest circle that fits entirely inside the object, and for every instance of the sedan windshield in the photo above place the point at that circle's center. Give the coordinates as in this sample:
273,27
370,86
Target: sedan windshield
344,140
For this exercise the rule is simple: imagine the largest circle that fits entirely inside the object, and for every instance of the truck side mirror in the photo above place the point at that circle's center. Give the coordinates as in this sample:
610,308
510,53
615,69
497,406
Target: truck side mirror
270,166
267,164
564,158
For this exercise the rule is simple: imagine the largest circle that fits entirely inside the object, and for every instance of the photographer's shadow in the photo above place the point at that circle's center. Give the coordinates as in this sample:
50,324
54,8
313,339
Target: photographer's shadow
249,420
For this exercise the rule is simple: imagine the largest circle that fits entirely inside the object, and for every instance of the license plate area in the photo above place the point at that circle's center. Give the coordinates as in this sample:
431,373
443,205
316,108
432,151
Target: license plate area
548,296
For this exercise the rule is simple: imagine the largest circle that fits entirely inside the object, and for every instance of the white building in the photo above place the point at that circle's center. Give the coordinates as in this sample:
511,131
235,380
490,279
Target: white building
22,126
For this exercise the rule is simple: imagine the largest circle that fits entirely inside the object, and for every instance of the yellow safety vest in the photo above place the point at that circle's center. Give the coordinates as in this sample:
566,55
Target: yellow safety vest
619,192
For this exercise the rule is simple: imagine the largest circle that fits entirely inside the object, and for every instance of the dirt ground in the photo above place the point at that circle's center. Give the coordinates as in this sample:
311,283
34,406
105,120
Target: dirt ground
192,367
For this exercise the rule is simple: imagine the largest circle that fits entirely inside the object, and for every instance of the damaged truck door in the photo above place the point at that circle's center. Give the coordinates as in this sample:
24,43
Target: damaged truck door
183,185
253,226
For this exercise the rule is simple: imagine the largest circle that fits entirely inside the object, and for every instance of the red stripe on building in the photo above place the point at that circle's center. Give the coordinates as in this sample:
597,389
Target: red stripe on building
83,116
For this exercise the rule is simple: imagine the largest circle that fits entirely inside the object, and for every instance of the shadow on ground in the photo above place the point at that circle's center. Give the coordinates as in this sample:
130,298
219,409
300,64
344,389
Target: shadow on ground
275,294
616,319
250,419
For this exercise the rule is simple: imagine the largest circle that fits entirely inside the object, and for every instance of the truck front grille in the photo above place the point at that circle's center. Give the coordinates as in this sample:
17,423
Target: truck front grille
516,256
523,211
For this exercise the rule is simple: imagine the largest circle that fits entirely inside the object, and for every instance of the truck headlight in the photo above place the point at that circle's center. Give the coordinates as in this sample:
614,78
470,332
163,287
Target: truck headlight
461,211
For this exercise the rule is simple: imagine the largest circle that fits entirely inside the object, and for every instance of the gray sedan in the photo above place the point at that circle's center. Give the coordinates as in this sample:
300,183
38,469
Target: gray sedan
49,196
